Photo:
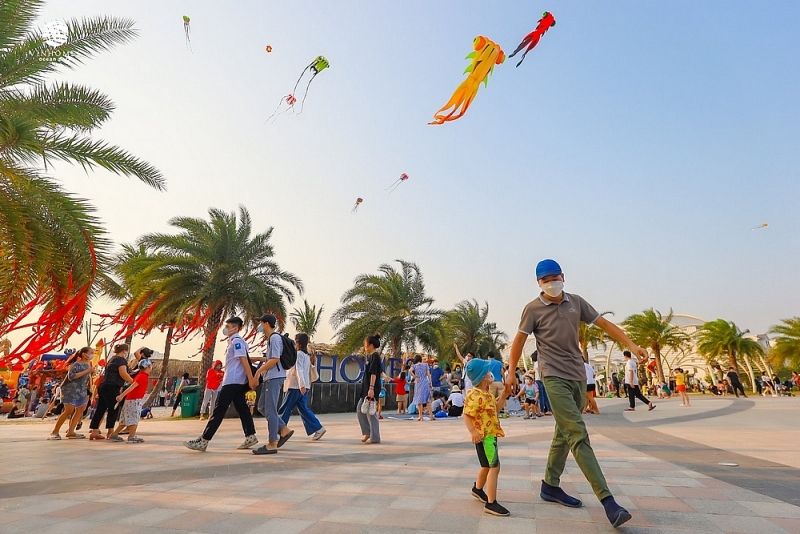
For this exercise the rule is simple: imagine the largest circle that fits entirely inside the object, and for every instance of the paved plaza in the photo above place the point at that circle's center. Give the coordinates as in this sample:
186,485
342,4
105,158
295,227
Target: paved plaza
662,465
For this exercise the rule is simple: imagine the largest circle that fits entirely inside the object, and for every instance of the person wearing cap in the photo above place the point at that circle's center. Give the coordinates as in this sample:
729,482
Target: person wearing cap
132,409
554,318
274,376
455,402
237,382
481,420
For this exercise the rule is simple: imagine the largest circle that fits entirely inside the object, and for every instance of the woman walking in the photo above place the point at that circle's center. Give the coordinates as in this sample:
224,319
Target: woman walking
422,387
298,384
114,379
179,394
370,389
73,392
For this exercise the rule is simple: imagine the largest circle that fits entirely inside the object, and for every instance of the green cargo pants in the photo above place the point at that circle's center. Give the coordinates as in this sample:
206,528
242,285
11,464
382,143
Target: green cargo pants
567,398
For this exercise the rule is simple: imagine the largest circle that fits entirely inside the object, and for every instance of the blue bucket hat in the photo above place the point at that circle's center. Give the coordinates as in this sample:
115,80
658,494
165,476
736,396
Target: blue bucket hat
548,268
476,369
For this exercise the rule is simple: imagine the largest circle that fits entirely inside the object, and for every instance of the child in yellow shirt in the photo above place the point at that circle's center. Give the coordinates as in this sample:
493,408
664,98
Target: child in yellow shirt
480,417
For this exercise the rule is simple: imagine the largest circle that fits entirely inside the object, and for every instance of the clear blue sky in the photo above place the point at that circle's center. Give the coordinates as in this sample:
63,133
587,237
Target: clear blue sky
637,144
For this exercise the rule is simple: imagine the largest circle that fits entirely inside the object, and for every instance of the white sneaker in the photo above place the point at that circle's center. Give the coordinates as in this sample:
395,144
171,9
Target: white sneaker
198,444
318,434
249,441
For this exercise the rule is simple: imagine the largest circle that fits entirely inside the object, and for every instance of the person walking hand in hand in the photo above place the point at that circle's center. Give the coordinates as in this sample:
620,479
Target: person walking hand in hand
554,318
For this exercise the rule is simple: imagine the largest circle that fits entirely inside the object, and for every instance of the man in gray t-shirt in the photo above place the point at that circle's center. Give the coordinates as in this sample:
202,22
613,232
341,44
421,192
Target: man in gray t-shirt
554,317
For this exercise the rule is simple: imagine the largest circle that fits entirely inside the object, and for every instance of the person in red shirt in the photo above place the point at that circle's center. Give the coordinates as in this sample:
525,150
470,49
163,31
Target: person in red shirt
132,409
400,391
213,381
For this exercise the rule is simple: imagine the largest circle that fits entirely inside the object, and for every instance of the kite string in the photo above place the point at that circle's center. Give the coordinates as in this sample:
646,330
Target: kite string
303,103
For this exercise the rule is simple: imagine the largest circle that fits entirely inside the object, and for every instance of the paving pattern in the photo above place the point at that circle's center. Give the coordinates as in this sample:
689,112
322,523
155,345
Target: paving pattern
417,480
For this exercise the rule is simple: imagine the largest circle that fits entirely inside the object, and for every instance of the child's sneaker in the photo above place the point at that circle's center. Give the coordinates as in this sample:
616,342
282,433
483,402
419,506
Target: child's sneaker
495,509
249,441
198,444
479,494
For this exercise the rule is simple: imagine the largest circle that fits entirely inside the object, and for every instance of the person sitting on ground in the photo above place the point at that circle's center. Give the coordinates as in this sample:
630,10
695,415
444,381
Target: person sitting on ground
455,402
147,413
438,402
16,410
665,391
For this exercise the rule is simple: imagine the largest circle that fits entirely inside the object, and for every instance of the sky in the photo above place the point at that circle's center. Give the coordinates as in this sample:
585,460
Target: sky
638,144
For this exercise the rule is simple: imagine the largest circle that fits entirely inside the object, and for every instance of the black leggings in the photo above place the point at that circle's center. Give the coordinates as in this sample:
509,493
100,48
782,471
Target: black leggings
738,388
231,393
106,400
635,393
177,402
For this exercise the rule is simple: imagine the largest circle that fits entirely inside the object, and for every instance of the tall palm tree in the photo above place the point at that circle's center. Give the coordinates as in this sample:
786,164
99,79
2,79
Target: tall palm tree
307,318
723,338
208,271
392,303
787,344
592,336
54,247
652,330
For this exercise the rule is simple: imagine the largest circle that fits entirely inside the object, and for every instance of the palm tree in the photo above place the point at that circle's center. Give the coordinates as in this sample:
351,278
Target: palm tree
54,248
392,303
652,330
723,338
307,319
208,271
468,326
592,336
787,344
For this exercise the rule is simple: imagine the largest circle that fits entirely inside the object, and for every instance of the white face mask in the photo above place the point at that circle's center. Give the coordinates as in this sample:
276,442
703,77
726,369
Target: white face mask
225,331
553,288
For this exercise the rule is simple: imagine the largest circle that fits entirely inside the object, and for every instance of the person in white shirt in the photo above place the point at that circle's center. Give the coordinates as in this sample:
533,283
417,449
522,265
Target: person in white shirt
455,402
238,381
632,381
591,385
297,387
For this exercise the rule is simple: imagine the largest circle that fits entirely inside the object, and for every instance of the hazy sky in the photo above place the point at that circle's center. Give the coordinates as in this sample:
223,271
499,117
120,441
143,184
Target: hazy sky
637,145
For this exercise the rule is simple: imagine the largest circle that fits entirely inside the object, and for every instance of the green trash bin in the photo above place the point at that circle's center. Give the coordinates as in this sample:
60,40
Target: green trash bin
190,401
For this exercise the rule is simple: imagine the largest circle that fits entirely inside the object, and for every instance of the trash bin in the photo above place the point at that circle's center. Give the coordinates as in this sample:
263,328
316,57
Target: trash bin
190,401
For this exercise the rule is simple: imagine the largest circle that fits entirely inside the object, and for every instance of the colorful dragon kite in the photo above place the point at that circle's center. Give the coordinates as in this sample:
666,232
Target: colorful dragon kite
532,39
487,54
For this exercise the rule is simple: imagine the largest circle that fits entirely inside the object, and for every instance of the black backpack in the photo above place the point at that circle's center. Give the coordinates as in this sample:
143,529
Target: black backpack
288,352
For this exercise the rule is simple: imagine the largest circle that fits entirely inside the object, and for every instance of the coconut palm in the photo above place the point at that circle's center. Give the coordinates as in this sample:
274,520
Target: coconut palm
54,248
307,319
787,344
208,271
592,336
392,303
468,326
652,330
723,338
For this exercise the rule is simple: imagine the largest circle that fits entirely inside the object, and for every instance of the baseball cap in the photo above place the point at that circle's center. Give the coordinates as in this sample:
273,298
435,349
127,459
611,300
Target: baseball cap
476,370
547,268
269,319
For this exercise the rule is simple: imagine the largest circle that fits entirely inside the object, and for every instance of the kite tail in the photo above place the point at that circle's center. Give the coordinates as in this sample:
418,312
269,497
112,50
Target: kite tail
303,102
395,184
522,45
275,113
294,91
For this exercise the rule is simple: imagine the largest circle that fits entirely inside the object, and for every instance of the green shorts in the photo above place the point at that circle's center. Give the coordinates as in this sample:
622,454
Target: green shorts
487,452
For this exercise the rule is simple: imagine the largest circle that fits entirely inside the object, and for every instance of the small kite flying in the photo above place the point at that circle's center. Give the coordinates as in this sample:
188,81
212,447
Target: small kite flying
318,65
403,178
760,226
487,54
357,204
532,39
269,49
187,29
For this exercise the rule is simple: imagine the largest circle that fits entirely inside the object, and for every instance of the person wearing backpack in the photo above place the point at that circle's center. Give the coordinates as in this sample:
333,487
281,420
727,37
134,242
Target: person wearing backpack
281,355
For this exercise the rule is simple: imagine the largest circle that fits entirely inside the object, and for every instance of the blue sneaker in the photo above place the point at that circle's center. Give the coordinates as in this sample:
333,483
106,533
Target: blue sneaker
555,494
615,513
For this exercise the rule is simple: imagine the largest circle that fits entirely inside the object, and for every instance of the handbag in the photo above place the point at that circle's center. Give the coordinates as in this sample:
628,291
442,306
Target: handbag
313,375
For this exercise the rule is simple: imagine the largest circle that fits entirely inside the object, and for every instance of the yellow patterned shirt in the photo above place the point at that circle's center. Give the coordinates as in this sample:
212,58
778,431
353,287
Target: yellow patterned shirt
480,405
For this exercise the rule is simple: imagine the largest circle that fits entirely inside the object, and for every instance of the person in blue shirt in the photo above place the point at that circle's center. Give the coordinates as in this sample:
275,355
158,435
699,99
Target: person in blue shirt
496,388
436,376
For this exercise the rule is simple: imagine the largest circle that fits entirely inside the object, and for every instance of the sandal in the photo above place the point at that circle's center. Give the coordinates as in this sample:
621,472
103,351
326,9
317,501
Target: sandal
283,439
76,436
96,436
135,439
54,437
115,439
629,410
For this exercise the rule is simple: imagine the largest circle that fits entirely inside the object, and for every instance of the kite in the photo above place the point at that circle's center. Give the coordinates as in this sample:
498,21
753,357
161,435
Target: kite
403,178
269,49
486,55
532,39
318,65
760,226
187,30
357,204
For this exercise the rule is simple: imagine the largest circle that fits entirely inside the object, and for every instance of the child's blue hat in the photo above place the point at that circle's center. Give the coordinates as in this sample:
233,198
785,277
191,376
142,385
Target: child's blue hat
476,369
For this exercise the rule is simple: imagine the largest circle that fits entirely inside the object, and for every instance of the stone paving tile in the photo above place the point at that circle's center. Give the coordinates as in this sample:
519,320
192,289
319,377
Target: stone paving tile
684,520
706,506
644,491
451,523
773,509
745,524
282,526
79,510
789,525
234,524
700,493
668,504
357,515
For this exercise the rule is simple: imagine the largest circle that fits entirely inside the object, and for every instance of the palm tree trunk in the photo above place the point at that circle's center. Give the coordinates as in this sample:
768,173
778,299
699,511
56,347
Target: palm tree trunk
750,373
211,329
164,364
396,346
732,358
659,367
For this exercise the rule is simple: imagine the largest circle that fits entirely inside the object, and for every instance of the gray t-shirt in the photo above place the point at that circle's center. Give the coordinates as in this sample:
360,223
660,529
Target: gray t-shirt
555,327
274,350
